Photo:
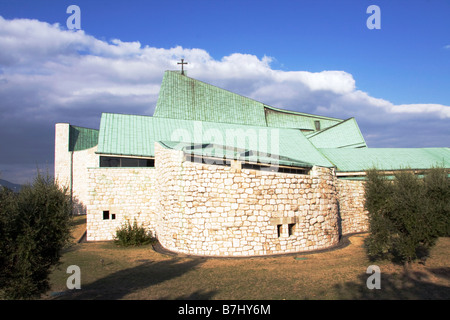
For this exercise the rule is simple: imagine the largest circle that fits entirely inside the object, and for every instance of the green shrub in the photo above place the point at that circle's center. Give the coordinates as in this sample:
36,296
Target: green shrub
437,192
132,235
406,214
377,202
34,227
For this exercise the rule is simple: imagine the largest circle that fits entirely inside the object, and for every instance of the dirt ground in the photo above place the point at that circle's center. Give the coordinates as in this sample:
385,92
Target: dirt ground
141,273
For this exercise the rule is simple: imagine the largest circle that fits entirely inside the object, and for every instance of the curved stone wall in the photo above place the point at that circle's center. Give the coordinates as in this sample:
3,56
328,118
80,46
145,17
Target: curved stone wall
223,211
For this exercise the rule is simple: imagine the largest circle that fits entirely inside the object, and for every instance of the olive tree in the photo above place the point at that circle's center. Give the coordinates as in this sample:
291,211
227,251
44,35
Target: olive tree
407,213
34,228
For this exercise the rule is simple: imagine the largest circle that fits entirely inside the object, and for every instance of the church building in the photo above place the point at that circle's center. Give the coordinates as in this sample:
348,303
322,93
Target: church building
214,173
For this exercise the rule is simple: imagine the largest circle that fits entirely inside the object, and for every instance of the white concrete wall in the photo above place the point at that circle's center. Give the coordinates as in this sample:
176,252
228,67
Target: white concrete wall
71,168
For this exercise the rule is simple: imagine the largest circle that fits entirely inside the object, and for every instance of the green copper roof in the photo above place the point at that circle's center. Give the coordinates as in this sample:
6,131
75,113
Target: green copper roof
347,160
136,135
82,138
345,134
182,97
291,119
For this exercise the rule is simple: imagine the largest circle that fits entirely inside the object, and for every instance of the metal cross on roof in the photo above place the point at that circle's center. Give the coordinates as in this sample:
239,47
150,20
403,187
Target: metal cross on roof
182,65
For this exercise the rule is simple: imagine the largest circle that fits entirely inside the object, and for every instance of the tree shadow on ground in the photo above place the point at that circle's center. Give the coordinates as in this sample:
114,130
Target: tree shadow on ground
197,295
121,283
413,285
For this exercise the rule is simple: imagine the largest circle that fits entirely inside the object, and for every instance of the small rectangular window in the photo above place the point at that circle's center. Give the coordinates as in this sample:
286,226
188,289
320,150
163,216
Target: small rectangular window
212,161
317,125
291,229
105,215
273,168
113,216
279,228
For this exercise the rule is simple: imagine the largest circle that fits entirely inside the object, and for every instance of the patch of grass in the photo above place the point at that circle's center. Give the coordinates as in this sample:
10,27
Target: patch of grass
112,272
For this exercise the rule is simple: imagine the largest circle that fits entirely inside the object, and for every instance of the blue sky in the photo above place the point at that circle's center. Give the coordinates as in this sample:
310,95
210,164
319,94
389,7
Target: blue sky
328,61
407,54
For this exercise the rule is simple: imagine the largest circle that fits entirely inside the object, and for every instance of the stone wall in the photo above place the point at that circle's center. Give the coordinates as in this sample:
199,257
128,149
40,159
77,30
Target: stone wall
217,210
205,209
225,211
354,218
126,193
82,160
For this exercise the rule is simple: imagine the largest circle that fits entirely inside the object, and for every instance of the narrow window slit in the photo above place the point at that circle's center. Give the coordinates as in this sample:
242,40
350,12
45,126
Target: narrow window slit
279,226
291,228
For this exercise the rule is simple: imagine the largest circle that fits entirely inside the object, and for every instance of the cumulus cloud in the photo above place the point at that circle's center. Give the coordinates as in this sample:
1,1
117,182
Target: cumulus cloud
49,74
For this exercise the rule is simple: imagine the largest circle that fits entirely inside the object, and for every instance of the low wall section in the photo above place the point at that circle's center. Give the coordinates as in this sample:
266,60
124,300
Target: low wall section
125,194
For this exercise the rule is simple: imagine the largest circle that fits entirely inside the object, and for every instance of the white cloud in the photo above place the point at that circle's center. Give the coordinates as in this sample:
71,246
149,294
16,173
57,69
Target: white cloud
50,75
440,110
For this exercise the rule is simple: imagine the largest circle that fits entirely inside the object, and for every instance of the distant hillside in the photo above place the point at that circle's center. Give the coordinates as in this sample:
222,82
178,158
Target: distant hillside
10,185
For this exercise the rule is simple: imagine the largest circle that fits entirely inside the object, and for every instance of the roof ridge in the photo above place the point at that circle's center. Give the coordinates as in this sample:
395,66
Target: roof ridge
301,113
72,125
129,114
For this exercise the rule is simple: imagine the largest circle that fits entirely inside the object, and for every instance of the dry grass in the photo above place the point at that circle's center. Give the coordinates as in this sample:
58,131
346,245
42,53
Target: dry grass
111,272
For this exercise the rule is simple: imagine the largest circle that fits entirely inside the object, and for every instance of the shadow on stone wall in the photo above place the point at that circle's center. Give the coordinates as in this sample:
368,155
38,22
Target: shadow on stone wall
339,220
78,208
